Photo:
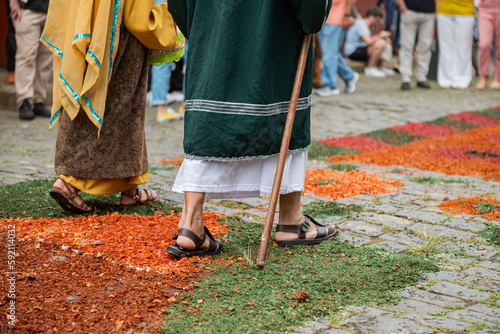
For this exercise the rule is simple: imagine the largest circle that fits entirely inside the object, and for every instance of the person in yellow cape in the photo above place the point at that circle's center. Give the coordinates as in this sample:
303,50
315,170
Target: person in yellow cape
101,64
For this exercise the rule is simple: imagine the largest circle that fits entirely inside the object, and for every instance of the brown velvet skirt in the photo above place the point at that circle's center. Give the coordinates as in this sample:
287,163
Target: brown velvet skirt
120,150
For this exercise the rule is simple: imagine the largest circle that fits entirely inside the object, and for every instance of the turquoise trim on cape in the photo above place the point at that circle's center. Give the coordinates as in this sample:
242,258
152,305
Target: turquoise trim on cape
59,52
96,60
69,88
113,35
94,114
81,36
56,114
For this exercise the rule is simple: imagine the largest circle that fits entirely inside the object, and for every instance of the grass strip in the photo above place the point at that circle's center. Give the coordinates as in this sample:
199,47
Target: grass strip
319,151
392,137
32,199
433,180
320,209
491,234
490,113
455,125
296,285
342,166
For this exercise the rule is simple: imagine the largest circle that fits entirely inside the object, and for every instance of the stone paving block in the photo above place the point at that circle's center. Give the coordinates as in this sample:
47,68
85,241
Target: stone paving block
478,313
416,306
490,265
483,272
439,322
441,231
481,251
336,331
354,239
458,291
382,325
362,227
258,213
391,221
365,197
422,216
311,327
369,311
382,208
432,298
403,238
488,331
465,225
256,201
444,275
174,197
456,261
220,209
405,198
484,283
390,246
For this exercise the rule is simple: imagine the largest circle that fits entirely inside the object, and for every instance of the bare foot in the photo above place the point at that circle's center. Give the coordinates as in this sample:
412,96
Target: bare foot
481,84
495,84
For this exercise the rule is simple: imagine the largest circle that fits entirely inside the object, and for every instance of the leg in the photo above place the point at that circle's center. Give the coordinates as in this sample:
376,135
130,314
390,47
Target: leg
486,33
327,40
291,216
464,29
43,69
446,50
425,36
10,48
67,197
495,83
408,34
192,219
27,41
160,84
374,53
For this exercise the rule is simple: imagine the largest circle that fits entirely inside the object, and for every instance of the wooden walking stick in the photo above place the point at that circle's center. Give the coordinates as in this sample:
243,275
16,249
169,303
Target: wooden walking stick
264,240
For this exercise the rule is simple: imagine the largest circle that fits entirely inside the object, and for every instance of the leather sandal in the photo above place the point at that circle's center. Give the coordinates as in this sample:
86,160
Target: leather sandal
66,199
324,232
215,246
150,198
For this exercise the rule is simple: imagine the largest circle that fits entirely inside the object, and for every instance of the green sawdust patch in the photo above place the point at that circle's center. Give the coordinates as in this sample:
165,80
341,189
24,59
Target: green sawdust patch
342,166
392,137
433,180
485,207
455,125
319,151
296,285
320,209
490,113
32,199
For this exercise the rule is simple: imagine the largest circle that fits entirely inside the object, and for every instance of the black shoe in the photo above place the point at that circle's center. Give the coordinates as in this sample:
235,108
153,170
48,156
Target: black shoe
40,110
405,86
25,111
423,84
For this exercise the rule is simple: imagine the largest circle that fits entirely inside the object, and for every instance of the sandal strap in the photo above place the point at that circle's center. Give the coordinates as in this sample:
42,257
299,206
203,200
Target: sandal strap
192,236
135,196
301,229
212,245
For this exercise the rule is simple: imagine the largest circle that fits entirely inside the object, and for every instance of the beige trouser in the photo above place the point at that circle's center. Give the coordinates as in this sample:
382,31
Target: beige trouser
33,59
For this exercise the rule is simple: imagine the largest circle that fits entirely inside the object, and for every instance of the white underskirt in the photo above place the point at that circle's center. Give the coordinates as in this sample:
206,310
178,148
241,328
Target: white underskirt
237,179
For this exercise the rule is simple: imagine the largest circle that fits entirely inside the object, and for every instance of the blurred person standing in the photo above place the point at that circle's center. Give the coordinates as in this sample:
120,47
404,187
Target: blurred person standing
33,60
455,26
331,37
489,33
417,18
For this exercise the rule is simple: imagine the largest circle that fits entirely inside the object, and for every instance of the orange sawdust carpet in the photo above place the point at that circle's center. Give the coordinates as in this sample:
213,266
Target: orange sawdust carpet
333,184
475,152
98,274
469,206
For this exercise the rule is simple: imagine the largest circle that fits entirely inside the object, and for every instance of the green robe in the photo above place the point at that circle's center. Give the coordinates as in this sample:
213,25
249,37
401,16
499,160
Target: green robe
241,66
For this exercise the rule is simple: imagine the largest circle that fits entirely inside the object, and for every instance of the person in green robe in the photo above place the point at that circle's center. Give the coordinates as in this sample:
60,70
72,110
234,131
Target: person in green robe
239,77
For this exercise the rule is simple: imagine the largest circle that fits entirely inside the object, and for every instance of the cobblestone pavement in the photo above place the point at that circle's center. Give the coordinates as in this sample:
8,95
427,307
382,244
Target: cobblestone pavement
464,295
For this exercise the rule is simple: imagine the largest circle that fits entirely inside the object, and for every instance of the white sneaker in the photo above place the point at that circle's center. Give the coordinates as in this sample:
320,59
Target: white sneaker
350,86
387,71
327,91
175,96
374,72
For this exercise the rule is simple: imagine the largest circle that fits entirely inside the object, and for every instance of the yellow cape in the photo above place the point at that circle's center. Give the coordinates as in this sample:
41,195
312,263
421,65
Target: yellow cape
84,35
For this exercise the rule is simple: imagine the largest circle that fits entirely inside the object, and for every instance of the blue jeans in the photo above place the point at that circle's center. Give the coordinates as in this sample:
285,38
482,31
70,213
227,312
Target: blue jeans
160,83
393,19
331,38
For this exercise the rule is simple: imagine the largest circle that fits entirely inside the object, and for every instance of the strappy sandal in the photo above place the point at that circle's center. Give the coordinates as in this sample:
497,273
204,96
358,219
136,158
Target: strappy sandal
215,246
66,200
325,232
137,197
